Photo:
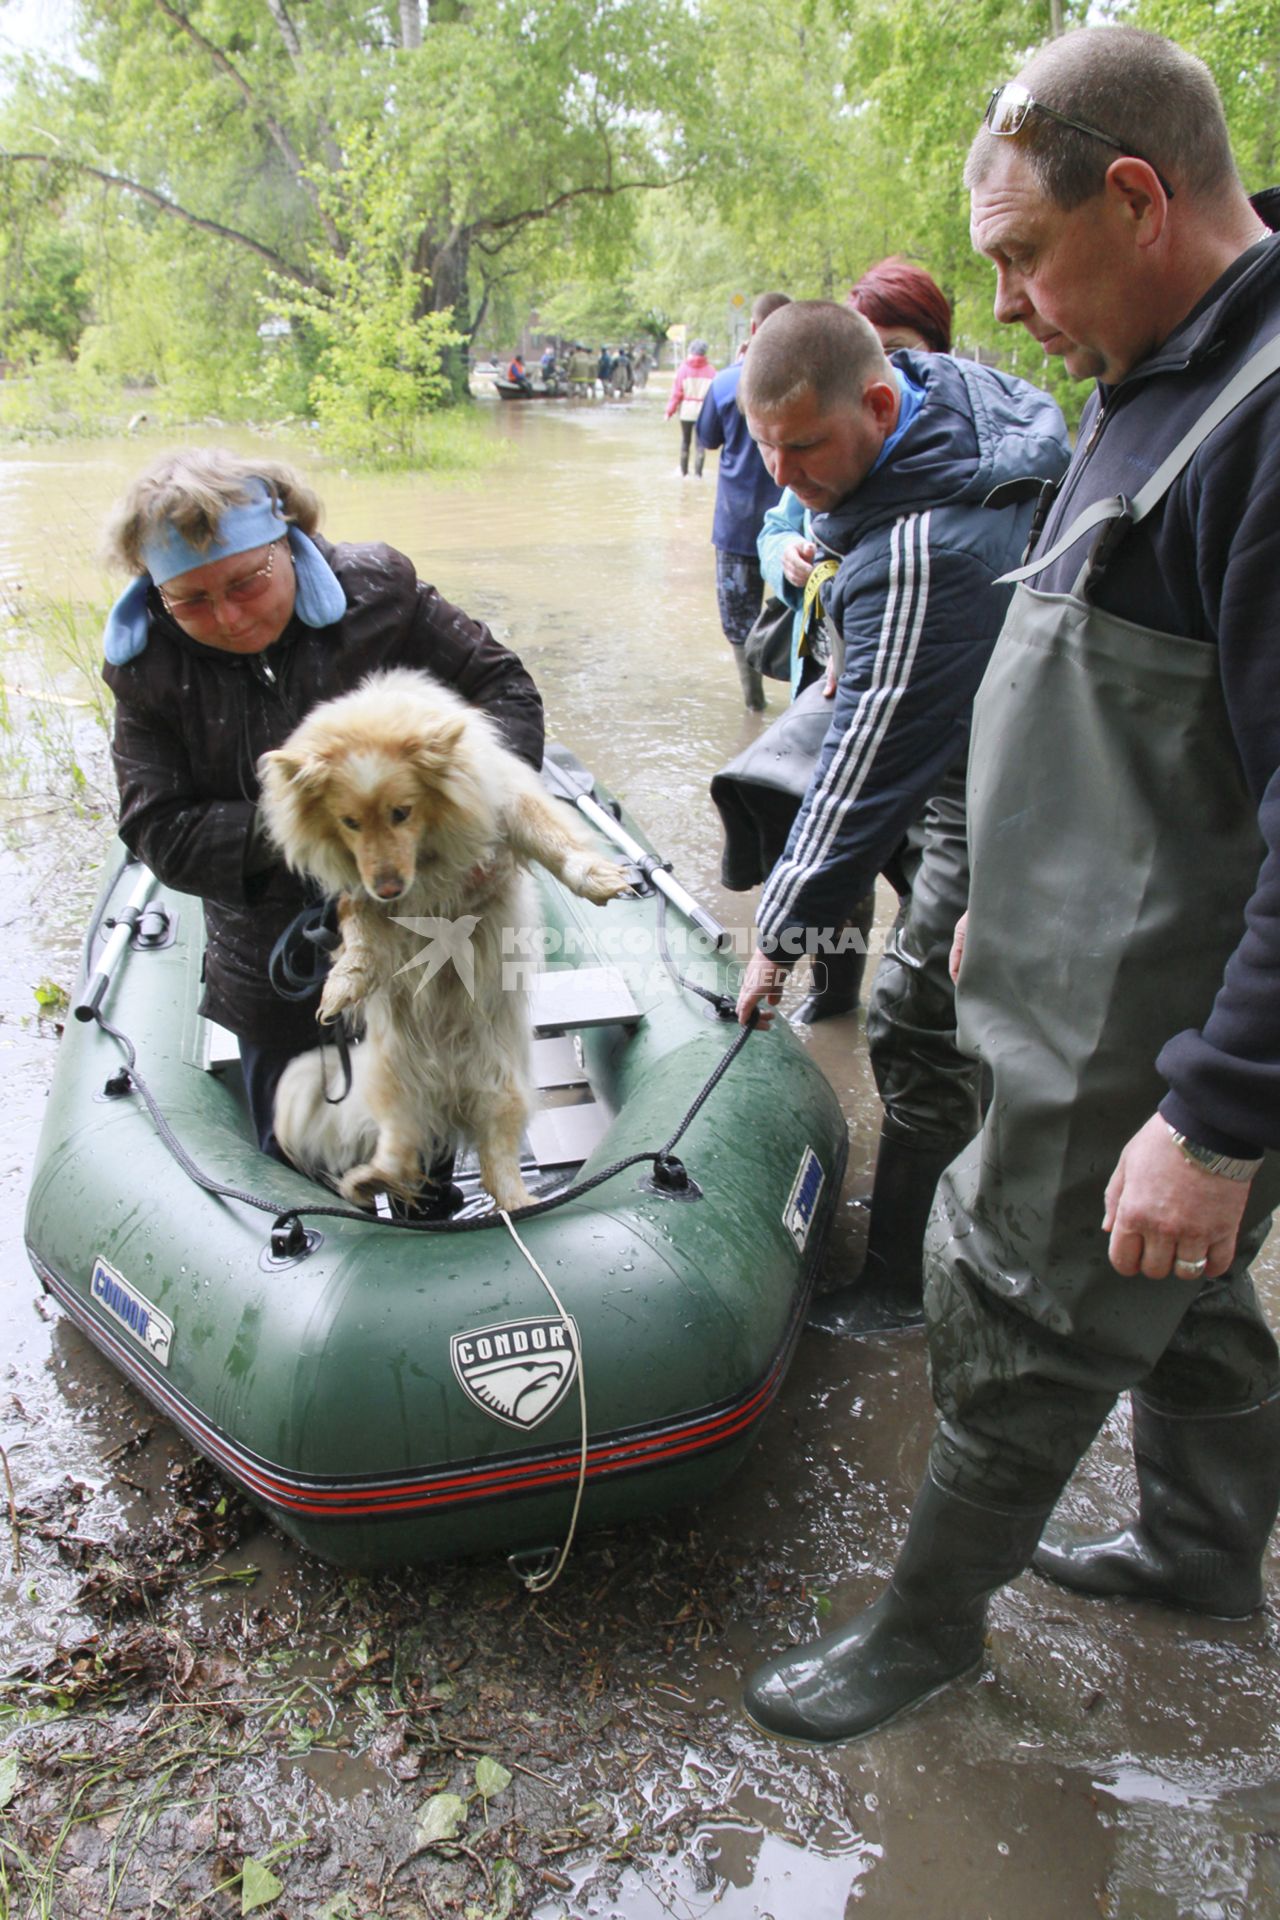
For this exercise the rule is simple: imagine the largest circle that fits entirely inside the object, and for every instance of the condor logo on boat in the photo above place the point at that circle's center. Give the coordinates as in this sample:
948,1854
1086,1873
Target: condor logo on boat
520,1371
149,1327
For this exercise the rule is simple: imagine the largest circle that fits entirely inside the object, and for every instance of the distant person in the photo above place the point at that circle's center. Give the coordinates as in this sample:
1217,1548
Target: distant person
547,365
517,375
643,362
895,461
688,391
622,377
604,370
582,370
744,492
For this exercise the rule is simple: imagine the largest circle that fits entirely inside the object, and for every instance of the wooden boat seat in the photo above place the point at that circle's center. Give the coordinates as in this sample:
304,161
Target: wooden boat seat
569,999
563,1002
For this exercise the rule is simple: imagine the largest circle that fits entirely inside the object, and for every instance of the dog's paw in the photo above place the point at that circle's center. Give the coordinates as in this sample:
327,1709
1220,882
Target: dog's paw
597,880
362,1185
344,988
512,1194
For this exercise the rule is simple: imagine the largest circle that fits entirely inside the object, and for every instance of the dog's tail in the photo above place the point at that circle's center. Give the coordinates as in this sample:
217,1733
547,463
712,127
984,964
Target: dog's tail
323,1137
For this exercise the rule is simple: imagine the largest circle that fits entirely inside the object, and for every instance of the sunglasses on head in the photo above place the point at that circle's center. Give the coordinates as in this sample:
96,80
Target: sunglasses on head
1009,105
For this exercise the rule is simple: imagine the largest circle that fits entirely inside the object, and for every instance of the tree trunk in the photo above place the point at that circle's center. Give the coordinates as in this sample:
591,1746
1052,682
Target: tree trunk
442,262
410,24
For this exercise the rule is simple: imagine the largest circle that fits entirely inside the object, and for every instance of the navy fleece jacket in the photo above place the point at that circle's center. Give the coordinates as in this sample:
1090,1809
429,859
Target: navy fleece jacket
915,602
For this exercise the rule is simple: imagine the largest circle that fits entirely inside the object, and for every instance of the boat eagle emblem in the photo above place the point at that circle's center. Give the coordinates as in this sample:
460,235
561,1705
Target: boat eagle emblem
520,1371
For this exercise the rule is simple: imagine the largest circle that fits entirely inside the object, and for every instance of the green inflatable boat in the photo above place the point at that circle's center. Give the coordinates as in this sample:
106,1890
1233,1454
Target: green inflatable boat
392,1393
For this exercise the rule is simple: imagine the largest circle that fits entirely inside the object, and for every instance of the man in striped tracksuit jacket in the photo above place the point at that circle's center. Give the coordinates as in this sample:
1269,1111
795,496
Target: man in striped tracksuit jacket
896,462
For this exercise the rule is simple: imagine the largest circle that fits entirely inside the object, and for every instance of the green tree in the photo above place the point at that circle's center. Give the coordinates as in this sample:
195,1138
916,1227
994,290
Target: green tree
44,295
1239,41
506,131
379,361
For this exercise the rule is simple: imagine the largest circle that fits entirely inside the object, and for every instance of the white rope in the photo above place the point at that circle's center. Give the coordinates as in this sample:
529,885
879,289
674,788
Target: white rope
541,1582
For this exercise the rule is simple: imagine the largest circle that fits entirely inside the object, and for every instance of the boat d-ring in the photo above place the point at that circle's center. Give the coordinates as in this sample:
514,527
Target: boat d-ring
671,1179
290,1244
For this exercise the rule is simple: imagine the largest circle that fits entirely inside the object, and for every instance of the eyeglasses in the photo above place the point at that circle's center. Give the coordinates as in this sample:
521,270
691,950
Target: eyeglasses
1009,105
238,593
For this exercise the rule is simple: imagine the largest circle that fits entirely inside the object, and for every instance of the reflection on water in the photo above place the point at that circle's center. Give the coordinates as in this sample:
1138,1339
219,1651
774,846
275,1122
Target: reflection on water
1114,1760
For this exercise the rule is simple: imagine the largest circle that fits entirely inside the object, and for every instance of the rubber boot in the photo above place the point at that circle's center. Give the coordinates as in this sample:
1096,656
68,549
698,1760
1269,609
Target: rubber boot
751,682
924,1631
842,972
437,1198
1208,1490
888,1294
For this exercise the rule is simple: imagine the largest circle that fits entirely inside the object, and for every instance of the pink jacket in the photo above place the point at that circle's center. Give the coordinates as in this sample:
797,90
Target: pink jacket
693,376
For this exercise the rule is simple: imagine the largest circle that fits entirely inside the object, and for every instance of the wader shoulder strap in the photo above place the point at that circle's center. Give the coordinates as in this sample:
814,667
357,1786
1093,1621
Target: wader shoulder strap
1264,363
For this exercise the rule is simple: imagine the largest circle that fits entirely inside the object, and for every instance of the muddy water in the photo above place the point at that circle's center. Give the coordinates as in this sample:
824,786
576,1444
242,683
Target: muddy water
1111,1760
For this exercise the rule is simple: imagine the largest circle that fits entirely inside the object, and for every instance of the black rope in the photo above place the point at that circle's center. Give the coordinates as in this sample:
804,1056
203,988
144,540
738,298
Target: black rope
286,1214
723,1003
133,1078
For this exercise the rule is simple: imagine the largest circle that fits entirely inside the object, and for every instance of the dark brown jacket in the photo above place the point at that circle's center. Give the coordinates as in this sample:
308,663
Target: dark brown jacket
192,722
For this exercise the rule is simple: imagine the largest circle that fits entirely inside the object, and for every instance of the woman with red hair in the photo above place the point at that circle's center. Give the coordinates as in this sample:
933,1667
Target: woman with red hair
905,305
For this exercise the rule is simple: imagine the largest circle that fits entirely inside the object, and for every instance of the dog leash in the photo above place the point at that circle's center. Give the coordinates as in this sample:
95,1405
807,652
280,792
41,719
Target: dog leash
297,967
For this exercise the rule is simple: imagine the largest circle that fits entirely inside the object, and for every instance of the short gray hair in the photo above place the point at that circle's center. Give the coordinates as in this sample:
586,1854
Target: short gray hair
766,303
190,490
1157,100
815,347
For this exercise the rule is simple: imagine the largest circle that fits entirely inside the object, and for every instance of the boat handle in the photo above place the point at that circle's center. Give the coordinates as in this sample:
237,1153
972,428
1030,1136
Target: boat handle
86,1008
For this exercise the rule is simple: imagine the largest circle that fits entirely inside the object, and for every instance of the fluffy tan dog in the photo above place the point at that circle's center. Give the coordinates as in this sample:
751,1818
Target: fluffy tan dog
400,799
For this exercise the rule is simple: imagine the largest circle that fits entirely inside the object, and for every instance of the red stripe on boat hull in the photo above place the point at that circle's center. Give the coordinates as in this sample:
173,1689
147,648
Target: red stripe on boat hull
429,1490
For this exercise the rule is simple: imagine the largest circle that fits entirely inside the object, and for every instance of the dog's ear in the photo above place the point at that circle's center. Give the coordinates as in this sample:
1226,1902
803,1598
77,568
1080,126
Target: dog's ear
434,750
304,771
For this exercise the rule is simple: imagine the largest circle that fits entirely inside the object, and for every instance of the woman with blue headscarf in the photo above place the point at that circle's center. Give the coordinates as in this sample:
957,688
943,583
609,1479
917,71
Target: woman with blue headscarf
239,619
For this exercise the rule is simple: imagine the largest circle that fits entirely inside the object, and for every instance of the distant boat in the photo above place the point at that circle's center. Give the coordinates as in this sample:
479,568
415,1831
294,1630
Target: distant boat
510,391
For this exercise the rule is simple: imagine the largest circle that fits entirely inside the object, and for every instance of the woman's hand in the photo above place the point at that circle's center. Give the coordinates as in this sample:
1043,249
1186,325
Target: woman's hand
797,561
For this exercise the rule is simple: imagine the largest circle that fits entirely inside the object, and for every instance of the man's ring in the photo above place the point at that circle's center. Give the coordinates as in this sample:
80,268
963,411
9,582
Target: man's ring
1189,1269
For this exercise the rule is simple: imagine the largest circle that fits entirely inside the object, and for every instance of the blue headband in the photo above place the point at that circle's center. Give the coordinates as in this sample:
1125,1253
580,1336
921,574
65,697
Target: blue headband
318,597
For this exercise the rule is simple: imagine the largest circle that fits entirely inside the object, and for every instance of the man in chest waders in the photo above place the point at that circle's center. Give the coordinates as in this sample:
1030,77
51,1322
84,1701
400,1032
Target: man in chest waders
1123,935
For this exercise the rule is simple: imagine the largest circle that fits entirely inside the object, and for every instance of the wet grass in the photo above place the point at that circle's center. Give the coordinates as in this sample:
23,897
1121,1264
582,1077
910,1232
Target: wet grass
55,718
343,1746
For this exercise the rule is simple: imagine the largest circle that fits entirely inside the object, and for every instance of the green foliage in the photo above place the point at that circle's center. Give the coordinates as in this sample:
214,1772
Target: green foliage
1239,41
379,360
389,188
44,295
381,175
258,1886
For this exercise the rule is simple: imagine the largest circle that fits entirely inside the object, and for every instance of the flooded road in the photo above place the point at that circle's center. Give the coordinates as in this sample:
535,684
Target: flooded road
1111,1760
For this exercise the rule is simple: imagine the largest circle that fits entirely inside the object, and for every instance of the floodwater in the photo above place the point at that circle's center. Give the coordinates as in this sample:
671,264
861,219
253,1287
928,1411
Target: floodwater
1111,1760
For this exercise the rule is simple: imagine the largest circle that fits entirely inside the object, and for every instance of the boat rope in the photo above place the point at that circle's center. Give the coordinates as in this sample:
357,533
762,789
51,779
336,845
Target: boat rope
540,1582
724,1003
668,1173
